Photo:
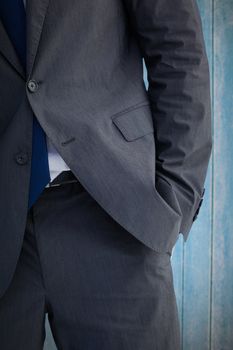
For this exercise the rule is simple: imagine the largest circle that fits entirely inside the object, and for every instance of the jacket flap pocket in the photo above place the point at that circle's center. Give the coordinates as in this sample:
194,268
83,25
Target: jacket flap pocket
134,123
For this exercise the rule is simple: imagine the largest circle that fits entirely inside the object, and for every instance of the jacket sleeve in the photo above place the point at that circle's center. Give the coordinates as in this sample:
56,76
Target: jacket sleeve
170,37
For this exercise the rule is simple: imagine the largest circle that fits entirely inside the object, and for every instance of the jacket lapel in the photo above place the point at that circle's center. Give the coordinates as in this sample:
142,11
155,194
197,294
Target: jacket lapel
36,11
8,51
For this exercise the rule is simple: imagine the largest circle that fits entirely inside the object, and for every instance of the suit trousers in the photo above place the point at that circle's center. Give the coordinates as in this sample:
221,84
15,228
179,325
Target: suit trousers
101,288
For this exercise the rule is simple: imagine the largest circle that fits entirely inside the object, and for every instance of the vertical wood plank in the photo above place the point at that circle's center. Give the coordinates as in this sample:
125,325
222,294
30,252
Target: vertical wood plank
177,267
49,342
197,250
222,297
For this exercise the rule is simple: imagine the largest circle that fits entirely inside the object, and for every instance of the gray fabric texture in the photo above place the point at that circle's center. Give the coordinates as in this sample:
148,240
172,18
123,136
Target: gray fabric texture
142,154
101,288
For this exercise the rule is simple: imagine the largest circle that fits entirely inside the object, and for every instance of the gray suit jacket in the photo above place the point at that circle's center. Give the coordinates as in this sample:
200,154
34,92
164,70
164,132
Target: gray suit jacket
142,154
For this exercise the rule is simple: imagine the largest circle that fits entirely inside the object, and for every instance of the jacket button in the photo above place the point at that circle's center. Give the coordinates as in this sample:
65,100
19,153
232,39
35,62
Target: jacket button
21,158
32,85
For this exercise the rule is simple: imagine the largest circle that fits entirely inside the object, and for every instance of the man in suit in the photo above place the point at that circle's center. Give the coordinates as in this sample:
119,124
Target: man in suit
99,175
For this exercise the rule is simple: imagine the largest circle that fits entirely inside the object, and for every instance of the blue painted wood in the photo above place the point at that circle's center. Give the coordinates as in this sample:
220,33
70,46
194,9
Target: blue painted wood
197,282
222,297
178,276
49,342
198,249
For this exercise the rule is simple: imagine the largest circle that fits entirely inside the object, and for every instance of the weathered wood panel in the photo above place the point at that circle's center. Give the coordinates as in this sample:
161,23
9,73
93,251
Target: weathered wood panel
222,281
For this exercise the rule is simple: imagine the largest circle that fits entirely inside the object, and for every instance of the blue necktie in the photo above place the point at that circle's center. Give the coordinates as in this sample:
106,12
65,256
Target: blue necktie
13,16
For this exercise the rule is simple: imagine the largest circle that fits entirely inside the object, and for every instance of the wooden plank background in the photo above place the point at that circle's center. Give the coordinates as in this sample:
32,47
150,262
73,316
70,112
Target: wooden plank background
203,266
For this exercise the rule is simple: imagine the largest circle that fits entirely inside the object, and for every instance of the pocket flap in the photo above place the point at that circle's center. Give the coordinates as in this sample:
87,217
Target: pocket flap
135,122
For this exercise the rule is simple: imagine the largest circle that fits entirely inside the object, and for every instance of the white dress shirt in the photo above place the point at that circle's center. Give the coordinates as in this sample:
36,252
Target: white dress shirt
56,163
